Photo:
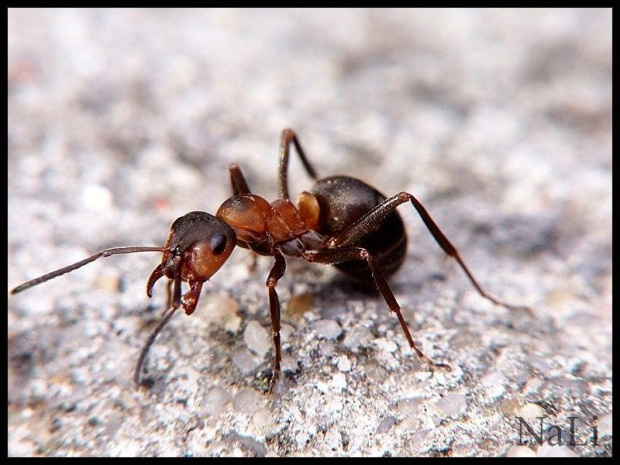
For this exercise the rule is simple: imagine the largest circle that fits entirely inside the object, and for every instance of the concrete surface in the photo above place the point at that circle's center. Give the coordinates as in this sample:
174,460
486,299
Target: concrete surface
120,121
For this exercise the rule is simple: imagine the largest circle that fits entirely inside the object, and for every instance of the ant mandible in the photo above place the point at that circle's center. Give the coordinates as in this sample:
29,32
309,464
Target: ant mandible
342,221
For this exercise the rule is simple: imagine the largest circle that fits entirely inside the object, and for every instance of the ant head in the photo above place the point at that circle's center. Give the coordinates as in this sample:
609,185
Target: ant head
198,245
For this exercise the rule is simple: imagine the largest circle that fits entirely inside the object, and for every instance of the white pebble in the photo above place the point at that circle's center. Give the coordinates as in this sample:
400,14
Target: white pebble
326,329
222,310
386,345
339,382
245,361
530,411
356,338
247,401
494,385
286,331
264,421
322,387
344,364
216,401
452,405
386,425
257,338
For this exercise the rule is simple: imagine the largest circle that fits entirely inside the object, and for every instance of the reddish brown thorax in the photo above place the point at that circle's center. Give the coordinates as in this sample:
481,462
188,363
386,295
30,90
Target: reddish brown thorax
253,218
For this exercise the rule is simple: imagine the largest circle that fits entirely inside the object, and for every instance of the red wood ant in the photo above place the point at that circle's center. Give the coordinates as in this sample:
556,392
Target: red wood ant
342,221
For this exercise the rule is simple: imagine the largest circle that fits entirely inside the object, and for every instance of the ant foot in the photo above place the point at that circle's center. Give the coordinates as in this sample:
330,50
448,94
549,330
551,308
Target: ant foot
443,366
275,378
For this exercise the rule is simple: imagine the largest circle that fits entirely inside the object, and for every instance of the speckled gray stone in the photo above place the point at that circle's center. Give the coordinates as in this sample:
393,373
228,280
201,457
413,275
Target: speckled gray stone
248,401
452,405
498,121
216,401
245,361
357,338
386,425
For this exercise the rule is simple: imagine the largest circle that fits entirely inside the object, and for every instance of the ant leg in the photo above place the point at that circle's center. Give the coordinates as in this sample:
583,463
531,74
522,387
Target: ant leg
175,305
252,266
288,137
239,185
168,298
345,254
373,219
274,307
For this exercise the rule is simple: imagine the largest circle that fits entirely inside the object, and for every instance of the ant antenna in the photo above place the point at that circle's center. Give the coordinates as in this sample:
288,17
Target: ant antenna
149,342
86,261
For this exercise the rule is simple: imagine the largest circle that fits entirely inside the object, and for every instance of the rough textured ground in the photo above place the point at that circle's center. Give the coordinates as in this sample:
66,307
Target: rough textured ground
498,121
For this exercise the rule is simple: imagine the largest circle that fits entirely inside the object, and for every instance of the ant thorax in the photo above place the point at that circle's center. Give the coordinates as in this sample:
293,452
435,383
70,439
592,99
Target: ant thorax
256,221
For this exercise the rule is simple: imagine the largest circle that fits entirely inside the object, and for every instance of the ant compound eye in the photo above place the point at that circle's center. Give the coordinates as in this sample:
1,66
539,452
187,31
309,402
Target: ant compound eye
218,243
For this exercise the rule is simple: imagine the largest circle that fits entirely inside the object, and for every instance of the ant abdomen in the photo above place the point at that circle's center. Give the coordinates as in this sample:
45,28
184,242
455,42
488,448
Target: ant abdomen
343,201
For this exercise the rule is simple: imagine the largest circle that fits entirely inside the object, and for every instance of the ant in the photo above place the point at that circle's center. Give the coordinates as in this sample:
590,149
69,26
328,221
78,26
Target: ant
342,221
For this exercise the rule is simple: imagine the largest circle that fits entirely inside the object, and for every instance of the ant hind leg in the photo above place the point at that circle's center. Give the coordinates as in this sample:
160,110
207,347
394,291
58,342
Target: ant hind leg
339,255
374,218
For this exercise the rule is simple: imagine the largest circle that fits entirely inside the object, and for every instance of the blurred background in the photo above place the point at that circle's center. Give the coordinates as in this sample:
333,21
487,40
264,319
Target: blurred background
499,121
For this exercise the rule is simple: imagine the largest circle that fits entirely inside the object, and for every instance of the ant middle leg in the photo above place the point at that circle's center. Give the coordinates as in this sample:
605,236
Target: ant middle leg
345,254
279,267
288,137
240,187
237,180
373,219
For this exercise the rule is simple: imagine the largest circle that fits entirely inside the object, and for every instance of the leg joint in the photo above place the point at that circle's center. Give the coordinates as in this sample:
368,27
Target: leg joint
404,196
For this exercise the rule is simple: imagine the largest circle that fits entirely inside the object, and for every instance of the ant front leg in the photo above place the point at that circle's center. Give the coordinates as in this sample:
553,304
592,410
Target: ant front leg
288,137
275,274
345,254
373,219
